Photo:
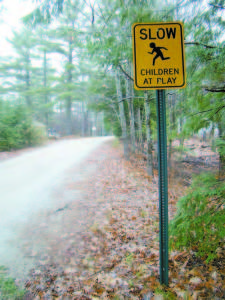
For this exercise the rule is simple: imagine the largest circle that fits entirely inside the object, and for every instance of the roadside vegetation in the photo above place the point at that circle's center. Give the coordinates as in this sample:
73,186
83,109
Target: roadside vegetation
199,220
8,289
17,129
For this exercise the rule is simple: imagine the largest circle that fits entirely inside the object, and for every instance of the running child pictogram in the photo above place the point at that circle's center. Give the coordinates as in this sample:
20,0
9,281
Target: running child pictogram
158,52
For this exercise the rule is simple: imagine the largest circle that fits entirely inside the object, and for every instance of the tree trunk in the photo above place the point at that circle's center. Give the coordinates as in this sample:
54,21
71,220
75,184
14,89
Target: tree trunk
212,133
87,125
172,125
83,120
28,99
94,125
182,137
129,97
221,155
68,117
61,118
122,114
143,133
170,129
140,138
45,85
148,135
69,100
181,118
213,147
103,124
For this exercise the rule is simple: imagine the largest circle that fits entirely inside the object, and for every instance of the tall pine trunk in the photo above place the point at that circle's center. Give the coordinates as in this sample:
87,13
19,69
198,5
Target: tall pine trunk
132,105
103,124
83,120
129,96
122,114
182,118
148,135
212,134
172,126
140,138
27,79
95,124
45,85
221,155
87,125
69,100
170,129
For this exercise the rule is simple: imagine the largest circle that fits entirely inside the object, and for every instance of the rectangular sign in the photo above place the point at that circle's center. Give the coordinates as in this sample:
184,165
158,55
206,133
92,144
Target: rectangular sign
158,51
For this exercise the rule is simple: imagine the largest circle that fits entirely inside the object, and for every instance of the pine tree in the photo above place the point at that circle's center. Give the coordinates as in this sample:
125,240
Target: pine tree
66,35
17,72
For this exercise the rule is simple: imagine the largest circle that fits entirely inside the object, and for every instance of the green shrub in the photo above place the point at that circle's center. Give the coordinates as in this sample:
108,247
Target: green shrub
17,129
199,221
220,144
117,131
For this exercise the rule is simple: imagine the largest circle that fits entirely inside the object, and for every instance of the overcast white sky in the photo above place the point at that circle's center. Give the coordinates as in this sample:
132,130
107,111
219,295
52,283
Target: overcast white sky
10,17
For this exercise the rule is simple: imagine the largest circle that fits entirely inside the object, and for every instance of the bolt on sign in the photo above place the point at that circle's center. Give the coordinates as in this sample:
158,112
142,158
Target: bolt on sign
158,51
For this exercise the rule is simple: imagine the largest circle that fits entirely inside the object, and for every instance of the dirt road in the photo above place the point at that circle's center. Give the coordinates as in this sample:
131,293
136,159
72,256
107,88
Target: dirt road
30,185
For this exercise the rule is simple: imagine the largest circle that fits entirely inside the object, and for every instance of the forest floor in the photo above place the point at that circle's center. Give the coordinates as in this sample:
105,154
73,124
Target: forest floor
116,254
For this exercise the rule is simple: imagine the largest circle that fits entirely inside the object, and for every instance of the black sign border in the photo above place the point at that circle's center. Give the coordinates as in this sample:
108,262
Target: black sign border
182,49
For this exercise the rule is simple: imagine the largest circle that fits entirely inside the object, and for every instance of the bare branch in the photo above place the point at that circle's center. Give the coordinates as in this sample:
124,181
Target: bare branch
93,15
123,99
106,22
216,90
200,44
129,98
217,6
219,109
201,112
215,113
102,15
124,72
178,5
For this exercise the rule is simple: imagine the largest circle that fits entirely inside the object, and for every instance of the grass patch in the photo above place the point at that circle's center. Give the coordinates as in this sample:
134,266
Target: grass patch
130,259
8,289
143,213
166,294
95,227
182,149
116,143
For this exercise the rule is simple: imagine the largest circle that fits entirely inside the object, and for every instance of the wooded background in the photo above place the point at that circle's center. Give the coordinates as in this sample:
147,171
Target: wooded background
73,71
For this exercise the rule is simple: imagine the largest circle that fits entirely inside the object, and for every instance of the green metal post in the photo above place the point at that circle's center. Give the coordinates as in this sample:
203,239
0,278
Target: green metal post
163,185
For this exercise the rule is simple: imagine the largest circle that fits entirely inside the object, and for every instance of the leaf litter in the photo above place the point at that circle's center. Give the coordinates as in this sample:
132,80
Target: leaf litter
116,256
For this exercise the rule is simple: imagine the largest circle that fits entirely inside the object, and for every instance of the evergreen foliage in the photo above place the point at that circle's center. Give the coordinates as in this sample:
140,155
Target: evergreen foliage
199,222
17,129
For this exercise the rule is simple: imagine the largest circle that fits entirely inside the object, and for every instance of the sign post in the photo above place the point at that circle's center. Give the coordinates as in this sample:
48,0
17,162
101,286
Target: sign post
158,52
163,185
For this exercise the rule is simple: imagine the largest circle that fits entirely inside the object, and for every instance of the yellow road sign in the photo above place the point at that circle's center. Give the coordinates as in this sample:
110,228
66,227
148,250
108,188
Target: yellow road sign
158,51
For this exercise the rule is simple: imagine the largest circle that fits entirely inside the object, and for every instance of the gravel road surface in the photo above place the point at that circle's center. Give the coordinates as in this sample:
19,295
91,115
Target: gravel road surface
31,183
